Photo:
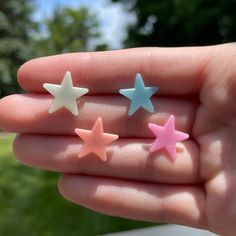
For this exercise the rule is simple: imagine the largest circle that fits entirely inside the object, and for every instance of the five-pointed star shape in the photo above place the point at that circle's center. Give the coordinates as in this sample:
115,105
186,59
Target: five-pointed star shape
65,94
95,141
139,96
167,136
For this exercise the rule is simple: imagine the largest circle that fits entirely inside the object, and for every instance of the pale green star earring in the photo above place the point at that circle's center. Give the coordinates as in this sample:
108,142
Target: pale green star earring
65,94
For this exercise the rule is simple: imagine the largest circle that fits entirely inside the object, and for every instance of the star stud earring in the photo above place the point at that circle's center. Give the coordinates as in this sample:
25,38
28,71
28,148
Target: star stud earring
167,136
139,96
65,94
95,140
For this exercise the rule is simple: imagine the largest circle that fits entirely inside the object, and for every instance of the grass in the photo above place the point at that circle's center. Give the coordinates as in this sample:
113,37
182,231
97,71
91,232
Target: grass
31,205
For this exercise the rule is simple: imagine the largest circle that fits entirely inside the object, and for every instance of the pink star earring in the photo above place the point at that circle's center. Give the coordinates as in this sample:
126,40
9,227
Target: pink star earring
167,136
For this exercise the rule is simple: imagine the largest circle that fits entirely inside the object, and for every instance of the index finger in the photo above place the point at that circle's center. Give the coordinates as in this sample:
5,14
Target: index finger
174,70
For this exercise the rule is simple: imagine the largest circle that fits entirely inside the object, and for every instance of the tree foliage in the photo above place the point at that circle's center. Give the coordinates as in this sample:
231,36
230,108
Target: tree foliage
22,39
181,22
16,45
69,30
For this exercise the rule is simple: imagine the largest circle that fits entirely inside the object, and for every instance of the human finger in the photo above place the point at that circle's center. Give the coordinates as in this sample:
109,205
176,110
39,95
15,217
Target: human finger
174,70
126,159
179,204
29,114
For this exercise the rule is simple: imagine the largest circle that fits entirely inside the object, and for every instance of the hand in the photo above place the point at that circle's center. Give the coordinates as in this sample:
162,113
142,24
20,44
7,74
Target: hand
197,85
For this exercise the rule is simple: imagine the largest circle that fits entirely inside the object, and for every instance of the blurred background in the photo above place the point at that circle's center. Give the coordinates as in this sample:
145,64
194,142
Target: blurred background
29,199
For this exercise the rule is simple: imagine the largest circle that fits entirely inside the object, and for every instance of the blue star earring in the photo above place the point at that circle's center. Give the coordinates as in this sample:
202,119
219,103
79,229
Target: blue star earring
139,95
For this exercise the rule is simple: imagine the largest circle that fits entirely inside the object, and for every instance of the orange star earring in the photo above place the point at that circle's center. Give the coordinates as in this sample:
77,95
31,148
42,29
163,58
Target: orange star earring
95,140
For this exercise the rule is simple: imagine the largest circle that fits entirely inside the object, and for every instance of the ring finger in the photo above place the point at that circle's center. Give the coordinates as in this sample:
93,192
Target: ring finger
127,159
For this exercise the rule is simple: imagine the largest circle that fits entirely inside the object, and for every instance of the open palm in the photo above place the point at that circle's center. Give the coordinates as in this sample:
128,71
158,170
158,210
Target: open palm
197,85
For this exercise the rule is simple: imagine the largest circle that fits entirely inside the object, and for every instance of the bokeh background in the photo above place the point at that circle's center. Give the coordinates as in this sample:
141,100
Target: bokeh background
29,199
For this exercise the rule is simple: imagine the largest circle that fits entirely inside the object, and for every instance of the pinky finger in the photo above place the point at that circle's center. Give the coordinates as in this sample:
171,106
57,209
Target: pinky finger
179,204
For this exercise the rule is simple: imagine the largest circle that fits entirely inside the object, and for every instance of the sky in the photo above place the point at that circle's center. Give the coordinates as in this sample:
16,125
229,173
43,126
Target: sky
112,17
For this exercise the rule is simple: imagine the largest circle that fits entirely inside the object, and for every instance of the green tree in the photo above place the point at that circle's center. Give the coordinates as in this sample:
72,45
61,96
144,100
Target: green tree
181,22
69,30
16,45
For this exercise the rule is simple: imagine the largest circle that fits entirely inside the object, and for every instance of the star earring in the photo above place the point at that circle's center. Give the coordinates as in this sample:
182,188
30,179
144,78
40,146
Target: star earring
95,140
139,96
167,136
65,94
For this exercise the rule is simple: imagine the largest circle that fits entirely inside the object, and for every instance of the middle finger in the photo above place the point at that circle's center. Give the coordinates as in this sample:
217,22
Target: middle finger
31,115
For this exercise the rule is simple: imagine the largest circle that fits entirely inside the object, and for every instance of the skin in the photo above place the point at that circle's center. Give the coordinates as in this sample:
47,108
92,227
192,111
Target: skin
197,85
